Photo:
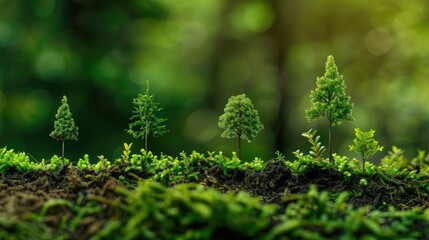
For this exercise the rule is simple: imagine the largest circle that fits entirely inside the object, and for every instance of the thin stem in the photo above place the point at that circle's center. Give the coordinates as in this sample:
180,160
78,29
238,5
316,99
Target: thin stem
62,155
330,143
239,147
145,136
363,164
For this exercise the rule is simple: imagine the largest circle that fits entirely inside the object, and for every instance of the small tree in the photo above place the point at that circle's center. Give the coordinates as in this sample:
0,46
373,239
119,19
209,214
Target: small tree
329,100
365,145
64,126
240,120
146,119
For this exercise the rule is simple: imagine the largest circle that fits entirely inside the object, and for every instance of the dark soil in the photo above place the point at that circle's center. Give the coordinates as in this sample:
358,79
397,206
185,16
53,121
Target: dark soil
276,181
23,194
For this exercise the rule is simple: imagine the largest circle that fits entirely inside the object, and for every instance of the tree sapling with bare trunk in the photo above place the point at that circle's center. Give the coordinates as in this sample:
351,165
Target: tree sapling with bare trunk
240,120
146,119
330,100
64,126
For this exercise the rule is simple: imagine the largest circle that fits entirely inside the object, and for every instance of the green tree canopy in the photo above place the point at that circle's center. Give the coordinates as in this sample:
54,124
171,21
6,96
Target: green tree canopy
329,99
146,119
64,125
240,120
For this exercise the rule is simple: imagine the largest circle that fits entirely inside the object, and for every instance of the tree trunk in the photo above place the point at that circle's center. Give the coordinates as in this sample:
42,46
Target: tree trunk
330,143
145,136
62,153
239,147
145,141
363,164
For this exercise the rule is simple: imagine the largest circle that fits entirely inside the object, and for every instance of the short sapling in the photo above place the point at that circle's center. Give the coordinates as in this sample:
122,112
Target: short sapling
329,99
64,126
365,145
146,118
240,120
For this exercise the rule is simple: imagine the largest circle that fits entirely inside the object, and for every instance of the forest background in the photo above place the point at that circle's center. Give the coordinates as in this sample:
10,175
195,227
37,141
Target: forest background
196,54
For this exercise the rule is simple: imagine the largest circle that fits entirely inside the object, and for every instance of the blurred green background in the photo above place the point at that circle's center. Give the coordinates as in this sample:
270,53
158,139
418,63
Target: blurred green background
196,54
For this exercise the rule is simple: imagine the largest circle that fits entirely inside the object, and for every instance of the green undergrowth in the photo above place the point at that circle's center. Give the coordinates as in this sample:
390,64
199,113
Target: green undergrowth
190,211
189,167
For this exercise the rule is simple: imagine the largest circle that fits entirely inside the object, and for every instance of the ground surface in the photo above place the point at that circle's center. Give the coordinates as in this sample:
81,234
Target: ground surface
23,194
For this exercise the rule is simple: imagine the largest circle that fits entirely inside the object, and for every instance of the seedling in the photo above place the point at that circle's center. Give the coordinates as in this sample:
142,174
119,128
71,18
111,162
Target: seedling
64,126
365,145
146,119
240,120
329,100
125,154
317,149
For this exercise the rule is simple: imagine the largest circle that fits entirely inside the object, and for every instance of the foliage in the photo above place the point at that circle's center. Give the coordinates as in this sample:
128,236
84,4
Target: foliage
421,161
64,126
186,211
11,229
365,145
146,119
314,216
56,163
126,153
18,161
279,155
317,149
256,165
83,163
240,120
395,158
329,99
102,164
69,222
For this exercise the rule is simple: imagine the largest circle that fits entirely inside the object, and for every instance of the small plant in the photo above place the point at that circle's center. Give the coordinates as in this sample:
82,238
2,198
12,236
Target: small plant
317,149
84,163
280,156
240,120
329,100
365,145
127,151
146,119
64,126
126,154
102,164
55,163
420,161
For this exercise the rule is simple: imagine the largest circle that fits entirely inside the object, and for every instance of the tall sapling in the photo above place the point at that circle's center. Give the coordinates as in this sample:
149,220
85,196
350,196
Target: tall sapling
146,119
365,145
329,100
240,120
64,126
